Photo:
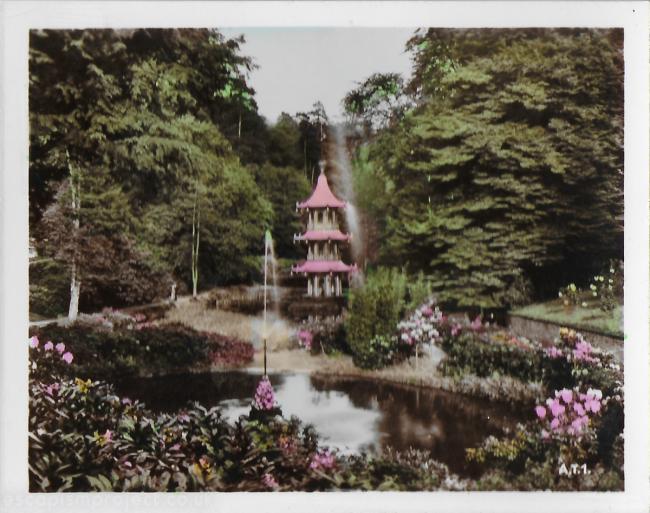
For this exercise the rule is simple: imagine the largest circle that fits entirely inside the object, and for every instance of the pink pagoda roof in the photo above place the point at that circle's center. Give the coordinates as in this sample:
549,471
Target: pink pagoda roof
323,266
322,196
324,235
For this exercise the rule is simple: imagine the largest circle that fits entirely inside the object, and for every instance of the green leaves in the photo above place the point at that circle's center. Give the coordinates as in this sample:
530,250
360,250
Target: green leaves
510,163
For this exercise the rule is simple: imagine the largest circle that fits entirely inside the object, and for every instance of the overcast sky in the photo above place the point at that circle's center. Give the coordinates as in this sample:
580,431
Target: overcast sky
299,66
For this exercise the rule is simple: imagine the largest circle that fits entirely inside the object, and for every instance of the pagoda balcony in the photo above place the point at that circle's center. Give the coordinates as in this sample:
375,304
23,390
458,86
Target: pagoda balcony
323,235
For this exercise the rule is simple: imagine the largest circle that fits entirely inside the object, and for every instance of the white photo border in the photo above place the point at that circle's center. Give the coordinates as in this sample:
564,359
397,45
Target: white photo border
17,18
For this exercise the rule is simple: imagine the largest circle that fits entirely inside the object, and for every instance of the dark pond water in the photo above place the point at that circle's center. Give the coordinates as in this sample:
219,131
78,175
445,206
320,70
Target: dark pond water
349,414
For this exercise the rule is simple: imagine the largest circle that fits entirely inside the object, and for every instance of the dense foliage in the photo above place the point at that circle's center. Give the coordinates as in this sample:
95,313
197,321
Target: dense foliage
83,437
374,311
104,349
509,169
149,163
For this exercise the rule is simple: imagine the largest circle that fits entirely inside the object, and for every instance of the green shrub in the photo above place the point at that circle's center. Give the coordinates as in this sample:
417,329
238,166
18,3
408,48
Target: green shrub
374,311
49,288
104,353
474,353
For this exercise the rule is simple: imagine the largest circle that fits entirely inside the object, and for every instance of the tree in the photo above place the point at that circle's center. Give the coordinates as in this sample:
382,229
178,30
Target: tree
510,166
284,187
137,114
285,149
313,130
379,101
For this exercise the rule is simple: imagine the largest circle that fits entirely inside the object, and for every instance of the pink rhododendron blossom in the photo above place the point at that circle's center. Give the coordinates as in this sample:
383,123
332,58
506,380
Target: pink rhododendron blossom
556,408
574,419
567,395
476,323
322,460
52,389
553,352
33,342
455,329
269,481
305,339
48,346
60,347
540,411
67,357
264,395
582,351
578,408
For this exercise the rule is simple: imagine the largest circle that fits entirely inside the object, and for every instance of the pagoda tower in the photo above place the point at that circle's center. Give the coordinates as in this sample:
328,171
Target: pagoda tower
323,268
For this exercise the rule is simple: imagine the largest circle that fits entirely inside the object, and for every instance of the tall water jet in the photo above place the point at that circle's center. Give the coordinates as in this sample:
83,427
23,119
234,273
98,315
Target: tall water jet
269,257
346,186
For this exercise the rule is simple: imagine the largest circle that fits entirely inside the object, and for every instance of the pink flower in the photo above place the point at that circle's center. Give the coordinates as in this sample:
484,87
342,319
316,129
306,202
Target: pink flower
126,400
264,395
48,346
553,352
127,464
269,481
556,408
540,411
60,347
108,435
579,409
555,423
427,311
51,389
567,395
476,323
455,329
322,460
33,342
67,357
305,339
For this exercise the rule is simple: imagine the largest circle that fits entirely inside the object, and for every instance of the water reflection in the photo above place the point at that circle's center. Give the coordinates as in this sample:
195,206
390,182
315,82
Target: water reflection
350,414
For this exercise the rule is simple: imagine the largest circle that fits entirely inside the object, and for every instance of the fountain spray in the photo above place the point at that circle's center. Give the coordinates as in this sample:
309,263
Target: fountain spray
268,243
346,186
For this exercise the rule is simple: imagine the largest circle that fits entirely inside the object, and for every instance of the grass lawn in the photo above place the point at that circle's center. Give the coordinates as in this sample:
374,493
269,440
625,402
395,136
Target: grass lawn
590,317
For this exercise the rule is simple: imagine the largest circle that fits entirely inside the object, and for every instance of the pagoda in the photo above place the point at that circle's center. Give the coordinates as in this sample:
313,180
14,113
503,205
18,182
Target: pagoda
323,268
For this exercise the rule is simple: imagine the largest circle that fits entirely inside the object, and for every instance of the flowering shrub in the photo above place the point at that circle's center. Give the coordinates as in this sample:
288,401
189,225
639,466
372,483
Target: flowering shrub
264,395
305,339
421,327
572,361
571,426
569,412
150,350
570,295
608,287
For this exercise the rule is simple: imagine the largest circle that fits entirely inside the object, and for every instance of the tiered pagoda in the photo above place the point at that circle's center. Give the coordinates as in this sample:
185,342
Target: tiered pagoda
323,268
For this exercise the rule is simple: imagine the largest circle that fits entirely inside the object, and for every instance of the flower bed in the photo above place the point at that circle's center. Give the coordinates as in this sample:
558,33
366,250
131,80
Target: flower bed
83,437
105,350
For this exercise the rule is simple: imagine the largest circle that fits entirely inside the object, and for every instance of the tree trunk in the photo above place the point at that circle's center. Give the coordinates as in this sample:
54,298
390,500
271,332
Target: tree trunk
239,127
75,287
196,224
75,279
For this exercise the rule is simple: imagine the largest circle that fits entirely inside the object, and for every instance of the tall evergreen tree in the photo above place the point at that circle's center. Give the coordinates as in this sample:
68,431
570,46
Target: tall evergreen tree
512,163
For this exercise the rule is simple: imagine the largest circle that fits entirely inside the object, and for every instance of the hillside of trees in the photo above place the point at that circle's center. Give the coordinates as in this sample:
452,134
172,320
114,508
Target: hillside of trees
498,168
150,164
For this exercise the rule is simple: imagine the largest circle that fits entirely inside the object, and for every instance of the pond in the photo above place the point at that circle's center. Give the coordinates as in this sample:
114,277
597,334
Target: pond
350,414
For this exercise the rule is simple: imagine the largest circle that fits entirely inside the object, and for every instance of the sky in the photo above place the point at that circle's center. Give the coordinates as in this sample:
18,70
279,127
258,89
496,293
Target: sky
299,66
